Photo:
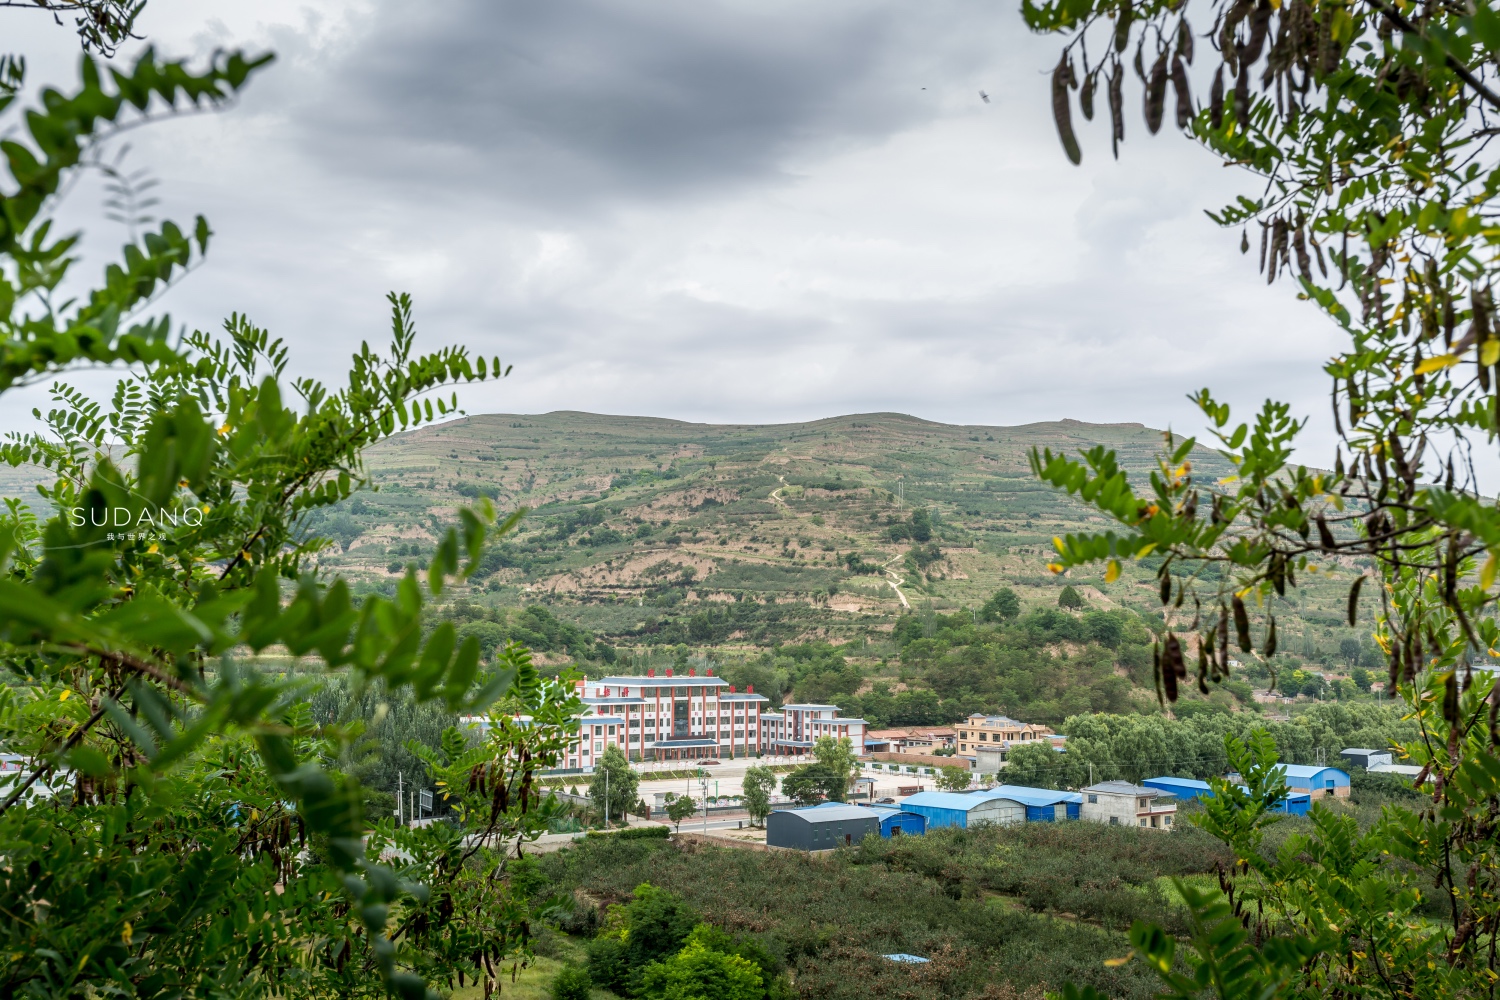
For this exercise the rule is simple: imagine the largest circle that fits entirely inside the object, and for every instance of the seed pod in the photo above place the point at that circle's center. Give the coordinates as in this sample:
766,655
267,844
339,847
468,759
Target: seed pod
1259,22
1185,41
1270,649
1117,107
1299,243
1205,641
1086,95
1156,669
1325,536
1061,111
1494,700
1241,624
1122,26
1216,99
1223,640
1450,698
1265,242
1166,585
1244,241
1184,95
1156,93
1318,252
1172,666
1242,96
1277,572
1393,676
1278,241
1450,573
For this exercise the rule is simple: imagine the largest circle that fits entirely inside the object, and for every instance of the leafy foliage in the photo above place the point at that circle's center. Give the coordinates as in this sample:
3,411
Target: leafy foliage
880,898
182,821
758,785
1369,126
679,808
613,785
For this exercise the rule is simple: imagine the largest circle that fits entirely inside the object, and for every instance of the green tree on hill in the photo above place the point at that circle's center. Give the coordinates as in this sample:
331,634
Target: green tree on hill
1003,606
813,783
1070,598
953,778
837,755
700,973
572,982
614,784
1037,765
758,786
679,808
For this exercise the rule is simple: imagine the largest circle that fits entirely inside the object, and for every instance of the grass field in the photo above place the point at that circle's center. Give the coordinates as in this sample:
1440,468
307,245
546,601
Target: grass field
532,982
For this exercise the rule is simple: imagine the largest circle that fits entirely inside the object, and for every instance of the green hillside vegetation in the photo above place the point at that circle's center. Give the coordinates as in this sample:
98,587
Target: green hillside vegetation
781,555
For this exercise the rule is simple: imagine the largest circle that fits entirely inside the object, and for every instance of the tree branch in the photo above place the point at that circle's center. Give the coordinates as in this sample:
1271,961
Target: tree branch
71,742
1464,73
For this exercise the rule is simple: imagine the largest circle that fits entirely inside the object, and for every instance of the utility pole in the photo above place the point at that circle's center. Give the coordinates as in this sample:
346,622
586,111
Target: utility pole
1091,772
400,792
606,797
703,785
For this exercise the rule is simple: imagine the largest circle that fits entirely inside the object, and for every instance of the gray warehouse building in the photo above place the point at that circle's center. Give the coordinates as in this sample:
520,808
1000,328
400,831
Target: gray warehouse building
821,828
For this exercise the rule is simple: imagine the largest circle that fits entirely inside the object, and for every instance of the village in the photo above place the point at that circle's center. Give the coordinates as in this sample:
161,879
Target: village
693,738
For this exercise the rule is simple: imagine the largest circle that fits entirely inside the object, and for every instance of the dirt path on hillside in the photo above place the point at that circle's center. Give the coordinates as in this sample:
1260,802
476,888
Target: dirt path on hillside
895,581
775,496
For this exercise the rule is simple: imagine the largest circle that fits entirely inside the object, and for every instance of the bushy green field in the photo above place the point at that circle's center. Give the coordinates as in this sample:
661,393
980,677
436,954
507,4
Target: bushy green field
1000,911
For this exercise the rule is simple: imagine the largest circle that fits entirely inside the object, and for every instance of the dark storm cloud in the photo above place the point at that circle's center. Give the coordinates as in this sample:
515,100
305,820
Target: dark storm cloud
574,101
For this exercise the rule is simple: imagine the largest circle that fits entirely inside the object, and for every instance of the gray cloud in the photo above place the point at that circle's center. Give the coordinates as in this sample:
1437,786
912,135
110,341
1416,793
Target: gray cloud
745,211
568,103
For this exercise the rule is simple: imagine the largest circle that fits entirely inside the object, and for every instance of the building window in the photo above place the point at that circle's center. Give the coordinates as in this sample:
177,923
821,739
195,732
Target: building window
1114,821
1166,820
1093,800
1143,822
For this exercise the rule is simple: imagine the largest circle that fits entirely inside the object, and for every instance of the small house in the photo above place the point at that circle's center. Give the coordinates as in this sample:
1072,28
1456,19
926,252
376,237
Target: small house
963,809
1317,780
1366,758
821,828
1121,803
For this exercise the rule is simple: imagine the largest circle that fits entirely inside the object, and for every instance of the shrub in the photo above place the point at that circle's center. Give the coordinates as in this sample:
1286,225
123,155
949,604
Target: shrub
608,966
572,983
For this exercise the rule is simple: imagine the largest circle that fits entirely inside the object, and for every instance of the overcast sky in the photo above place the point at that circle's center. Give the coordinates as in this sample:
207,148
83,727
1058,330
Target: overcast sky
756,211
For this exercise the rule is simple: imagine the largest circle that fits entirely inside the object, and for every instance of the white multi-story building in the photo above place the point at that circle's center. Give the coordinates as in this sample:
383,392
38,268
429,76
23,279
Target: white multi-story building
1120,803
667,718
795,728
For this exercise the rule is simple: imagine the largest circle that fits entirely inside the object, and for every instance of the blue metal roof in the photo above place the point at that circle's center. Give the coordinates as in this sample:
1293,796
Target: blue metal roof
962,801
1307,770
1169,784
1026,796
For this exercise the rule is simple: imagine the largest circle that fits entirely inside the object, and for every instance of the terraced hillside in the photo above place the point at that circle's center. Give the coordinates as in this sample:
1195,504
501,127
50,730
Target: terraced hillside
883,534
641,510
636,521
